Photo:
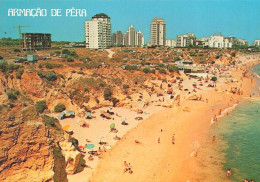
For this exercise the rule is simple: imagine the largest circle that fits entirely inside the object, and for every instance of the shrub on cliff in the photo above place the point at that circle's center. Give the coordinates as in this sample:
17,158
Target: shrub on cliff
59,108
107,94
19,74
41,106
51,76
49,120
11,96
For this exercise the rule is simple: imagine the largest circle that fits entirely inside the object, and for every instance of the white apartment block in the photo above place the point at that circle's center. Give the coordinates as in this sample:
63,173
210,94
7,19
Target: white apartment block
171,43
98,32
186,40
133,38
256,43
218,41
158,32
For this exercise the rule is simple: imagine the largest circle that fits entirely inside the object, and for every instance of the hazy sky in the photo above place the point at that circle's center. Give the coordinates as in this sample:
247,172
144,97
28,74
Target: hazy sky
239,18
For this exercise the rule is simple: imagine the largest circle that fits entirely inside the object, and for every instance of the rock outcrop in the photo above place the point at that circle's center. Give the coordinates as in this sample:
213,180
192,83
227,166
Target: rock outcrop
30,148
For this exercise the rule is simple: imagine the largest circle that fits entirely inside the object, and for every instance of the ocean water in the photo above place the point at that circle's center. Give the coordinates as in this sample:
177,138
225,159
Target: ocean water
239,139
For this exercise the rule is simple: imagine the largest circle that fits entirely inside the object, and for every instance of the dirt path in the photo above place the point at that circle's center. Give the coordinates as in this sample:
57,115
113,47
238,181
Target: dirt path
110,53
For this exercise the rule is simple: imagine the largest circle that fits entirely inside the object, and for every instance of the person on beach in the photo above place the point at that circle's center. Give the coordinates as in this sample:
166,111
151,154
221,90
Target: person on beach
173,138
213,138
159,140
228,173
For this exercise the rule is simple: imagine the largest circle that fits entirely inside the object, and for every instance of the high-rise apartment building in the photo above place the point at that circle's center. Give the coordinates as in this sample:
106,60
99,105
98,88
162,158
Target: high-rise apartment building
117,38
98,32
133,38
158,32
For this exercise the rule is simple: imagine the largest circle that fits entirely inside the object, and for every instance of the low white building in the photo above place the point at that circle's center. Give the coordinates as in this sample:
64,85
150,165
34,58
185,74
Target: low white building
219,41
256,43
171,43
186,40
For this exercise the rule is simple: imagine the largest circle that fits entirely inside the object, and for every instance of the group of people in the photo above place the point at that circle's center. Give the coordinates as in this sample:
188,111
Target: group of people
228,173
173,139
128,168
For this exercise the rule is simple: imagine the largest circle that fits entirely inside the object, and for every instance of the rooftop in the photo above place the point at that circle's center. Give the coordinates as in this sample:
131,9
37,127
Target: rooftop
101,15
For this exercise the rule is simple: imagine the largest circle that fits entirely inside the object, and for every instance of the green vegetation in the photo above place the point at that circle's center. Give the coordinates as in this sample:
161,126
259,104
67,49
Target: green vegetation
48,65
107,94
59,108
70,53
9,42
41,106
49,120
162,71
131,67
146,70
51,76
70,59
5,67
233,54
114,101
172,68
57,152
125,86
12,96
177,58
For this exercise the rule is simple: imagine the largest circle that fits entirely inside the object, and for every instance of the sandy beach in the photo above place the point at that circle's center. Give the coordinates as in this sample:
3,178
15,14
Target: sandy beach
193,156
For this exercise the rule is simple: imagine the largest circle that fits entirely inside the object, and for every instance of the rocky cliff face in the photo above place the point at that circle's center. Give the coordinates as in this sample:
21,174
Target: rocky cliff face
33,150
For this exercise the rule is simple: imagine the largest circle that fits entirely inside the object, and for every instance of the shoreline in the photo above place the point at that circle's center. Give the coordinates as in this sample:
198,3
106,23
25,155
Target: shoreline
185,165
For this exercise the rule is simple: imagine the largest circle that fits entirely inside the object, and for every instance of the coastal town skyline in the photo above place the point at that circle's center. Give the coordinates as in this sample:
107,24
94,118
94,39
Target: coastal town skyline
203,22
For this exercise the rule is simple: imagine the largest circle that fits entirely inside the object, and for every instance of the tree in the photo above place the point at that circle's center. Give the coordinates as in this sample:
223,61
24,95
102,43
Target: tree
59,108
65,51
41,106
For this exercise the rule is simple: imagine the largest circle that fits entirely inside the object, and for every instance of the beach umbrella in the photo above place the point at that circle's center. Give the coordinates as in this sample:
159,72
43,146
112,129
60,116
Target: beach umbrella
90,146
112,126
81,147
102,111
123,119
66,127
88,114
109,108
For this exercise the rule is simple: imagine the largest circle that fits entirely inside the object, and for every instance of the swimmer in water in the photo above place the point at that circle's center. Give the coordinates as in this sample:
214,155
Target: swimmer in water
228,173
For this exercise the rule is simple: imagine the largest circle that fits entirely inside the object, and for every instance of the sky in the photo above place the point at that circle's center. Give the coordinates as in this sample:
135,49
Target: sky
239,18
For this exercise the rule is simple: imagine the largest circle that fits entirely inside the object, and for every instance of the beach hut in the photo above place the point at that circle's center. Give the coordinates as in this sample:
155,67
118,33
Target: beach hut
66,114
89,115
61,115
70,113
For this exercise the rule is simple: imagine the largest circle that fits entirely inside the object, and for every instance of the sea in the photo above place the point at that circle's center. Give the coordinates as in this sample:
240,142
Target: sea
239,135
